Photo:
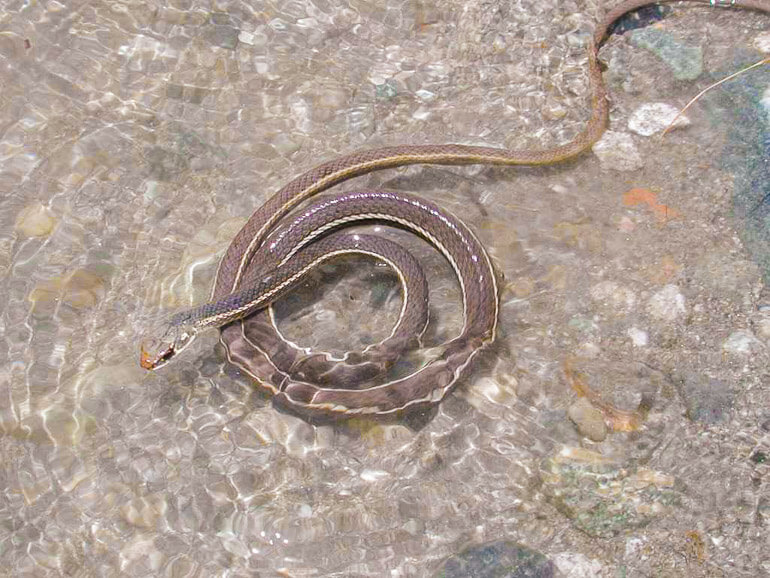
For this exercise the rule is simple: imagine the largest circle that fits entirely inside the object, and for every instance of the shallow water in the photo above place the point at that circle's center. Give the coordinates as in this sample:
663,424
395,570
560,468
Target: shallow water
136,138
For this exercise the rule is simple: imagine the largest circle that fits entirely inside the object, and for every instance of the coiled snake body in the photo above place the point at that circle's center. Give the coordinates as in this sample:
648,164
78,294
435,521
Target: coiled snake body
267,258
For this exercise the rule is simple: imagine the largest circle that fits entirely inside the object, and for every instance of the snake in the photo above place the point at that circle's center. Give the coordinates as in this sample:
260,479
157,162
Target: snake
280,244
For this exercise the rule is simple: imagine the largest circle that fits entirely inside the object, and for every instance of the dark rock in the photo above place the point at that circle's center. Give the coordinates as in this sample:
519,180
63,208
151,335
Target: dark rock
708,400
498,560
738,106
686,62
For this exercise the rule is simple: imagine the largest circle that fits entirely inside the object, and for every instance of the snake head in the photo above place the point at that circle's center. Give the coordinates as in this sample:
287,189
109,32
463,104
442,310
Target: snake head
159,347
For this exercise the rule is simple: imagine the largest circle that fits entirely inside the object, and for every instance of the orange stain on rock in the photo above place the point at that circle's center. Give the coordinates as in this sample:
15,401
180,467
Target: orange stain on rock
647,197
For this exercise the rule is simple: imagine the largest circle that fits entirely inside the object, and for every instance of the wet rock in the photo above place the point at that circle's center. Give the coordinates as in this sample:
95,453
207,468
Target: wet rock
588,420
742,343
708,400
616,151
668,304
655,117
603,498
498,560
686,62
35,221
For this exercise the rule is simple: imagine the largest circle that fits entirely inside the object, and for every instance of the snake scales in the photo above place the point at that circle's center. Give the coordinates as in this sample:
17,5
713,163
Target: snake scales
268,257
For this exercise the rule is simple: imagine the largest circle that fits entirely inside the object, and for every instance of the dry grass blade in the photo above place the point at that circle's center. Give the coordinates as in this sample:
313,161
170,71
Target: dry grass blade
705,90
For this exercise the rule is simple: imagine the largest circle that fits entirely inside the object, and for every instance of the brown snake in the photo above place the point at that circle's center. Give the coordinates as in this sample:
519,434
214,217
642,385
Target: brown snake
266,259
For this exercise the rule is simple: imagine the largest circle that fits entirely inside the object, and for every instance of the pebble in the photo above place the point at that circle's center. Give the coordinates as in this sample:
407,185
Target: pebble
35,221
83,289
589,350
668,304
635,549
589,420
80,289
246,38
626,224
762,42
616,151
742,342
639,337
708,400
655,117
223,36
498,559
762,326
618,298
144,512
576,565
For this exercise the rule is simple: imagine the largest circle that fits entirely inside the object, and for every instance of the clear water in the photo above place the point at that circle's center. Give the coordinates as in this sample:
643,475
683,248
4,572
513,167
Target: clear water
135,138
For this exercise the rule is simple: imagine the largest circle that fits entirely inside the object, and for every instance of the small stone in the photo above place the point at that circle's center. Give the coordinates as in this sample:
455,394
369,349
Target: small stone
246,38
686,62
742,343
616,151
762,326
305,511
618,298
83,289
588,350
35,221
588,419
638,337
582,324
80,289
498,560
667,304
522,286
144,512
223,36
576,565
285,145
634,549
762,42
708,400
626,224
655,117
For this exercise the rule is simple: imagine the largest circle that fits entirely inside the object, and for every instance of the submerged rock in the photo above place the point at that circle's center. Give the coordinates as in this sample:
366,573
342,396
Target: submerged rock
708,400
498,560
617,151
686,62
603,498
655,117
35,221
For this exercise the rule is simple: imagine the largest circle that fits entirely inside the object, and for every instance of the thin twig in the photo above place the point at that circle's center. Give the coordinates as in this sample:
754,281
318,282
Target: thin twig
705,90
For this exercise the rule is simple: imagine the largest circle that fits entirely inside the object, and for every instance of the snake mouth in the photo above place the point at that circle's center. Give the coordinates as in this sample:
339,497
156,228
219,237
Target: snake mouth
150,362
